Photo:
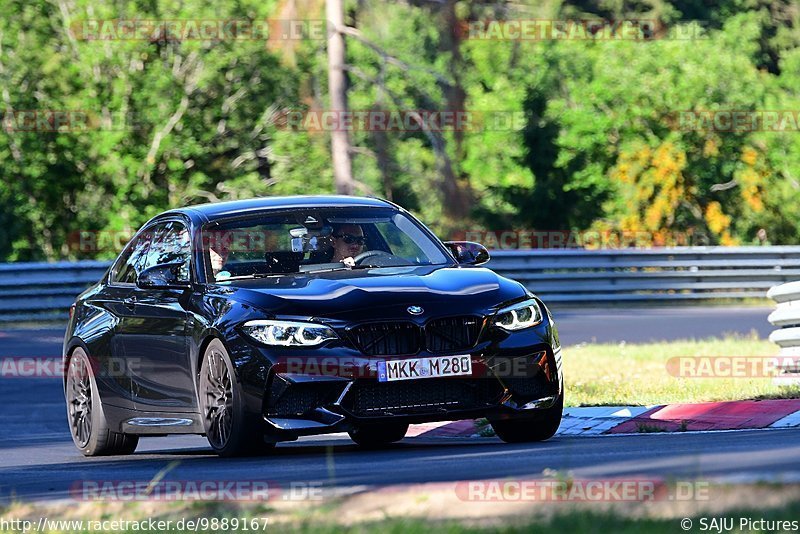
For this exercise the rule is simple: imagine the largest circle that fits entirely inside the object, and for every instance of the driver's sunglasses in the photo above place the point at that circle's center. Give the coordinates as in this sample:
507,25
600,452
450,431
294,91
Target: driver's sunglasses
351,239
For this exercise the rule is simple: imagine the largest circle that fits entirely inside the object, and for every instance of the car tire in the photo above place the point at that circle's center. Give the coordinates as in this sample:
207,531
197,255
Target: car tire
539,427
87,422
230,430
378,435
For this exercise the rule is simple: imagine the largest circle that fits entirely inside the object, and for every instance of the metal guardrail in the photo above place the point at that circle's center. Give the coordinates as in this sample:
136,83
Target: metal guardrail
642,275
787,336
44,291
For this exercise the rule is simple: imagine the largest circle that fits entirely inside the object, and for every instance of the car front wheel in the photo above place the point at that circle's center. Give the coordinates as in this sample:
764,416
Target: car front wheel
539,427
229,430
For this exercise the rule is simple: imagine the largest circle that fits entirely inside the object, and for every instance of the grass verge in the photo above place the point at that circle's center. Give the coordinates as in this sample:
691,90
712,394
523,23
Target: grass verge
432,511
643,374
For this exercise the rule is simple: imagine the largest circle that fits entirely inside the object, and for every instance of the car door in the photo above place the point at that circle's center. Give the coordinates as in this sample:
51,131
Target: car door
112,370
154,332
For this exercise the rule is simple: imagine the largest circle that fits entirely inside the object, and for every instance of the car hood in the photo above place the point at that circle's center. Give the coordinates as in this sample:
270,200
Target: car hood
377,293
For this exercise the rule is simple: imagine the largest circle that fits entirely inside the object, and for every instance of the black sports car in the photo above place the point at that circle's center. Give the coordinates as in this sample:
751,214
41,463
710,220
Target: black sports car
259,321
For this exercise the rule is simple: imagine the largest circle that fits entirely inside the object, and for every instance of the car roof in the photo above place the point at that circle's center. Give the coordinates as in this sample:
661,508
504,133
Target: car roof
218,210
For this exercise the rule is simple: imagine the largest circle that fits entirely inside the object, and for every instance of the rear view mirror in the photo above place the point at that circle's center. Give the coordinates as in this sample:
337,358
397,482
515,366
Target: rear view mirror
305,241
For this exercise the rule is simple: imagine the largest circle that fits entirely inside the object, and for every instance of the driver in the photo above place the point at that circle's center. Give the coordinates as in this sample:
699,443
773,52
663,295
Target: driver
348,242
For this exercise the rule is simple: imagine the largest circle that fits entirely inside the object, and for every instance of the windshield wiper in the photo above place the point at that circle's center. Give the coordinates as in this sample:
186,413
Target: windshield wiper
373,266
247,277
353,268
327,270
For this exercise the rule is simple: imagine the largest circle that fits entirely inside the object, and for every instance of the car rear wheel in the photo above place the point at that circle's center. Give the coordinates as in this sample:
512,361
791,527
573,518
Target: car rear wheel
229,429
377,435
538,427
87,422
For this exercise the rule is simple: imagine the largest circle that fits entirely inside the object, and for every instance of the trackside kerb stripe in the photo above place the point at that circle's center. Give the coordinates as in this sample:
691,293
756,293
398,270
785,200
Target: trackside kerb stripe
711,416
730,415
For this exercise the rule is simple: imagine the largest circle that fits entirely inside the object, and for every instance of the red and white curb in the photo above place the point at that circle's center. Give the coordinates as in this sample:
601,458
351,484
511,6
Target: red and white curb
707,416
597,420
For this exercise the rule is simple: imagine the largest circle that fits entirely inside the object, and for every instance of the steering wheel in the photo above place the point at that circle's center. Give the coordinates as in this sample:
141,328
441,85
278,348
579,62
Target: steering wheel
380,255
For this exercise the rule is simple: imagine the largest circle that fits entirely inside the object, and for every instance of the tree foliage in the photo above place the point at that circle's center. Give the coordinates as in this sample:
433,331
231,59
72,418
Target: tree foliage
567,134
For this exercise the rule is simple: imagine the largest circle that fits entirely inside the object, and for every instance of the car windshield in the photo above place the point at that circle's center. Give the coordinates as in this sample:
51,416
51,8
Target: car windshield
315,240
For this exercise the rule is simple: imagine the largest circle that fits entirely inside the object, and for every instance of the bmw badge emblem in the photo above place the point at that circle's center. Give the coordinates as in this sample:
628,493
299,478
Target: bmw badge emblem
415,310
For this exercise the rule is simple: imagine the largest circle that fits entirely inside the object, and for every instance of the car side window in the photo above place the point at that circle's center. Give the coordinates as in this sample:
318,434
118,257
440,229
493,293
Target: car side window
128,267
170,243
163,243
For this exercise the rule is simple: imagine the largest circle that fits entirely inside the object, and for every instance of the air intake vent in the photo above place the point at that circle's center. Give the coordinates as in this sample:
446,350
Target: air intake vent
430,395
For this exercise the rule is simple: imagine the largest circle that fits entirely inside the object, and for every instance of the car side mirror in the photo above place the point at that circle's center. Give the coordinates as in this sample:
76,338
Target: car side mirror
467,252
163,276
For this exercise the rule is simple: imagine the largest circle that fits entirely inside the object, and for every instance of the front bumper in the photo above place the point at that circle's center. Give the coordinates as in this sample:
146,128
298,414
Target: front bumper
502,386
333,388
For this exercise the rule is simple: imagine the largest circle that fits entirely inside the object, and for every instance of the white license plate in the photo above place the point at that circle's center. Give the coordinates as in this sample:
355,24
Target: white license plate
415,368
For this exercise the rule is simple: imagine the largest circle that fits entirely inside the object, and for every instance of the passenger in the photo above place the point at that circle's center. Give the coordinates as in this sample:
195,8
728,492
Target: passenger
219,252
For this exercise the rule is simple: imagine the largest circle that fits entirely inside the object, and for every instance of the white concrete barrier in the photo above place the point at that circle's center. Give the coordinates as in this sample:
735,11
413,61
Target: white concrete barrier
787,336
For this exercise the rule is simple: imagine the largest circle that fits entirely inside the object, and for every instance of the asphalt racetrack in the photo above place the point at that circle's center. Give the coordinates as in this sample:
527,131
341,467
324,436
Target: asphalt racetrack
39,462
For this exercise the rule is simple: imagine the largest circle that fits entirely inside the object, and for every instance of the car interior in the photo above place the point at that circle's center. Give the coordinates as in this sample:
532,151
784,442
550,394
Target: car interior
284,247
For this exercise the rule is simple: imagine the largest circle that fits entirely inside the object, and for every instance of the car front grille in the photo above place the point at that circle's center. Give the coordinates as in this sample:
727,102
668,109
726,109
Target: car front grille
452,333
427,396
384,339
404,337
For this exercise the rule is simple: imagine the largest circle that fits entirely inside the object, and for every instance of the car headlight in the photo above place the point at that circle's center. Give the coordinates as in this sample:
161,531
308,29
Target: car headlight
288,333
518,316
